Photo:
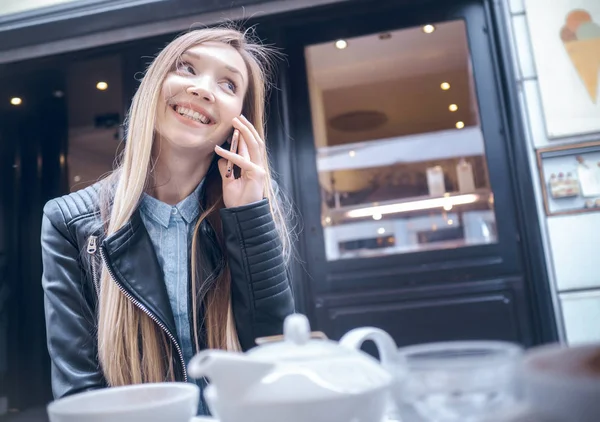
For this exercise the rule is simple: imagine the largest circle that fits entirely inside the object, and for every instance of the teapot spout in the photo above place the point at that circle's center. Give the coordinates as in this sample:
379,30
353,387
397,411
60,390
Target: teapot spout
230,373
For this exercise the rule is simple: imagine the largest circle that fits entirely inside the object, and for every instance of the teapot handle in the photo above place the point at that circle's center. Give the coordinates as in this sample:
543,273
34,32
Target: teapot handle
386,345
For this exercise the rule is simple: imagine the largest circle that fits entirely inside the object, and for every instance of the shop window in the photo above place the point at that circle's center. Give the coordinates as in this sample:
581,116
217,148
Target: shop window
399,147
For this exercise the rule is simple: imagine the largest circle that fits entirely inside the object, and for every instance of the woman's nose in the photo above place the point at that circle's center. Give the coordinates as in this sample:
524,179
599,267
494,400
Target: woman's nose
200,91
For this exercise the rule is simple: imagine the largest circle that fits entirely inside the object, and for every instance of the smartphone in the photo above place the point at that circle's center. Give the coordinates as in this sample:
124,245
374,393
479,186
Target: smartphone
234,145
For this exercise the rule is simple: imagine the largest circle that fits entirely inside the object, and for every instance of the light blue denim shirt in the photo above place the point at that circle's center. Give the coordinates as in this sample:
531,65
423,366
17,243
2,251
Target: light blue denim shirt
171,230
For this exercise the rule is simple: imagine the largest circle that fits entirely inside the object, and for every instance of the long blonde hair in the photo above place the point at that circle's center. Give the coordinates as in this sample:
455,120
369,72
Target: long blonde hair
131,347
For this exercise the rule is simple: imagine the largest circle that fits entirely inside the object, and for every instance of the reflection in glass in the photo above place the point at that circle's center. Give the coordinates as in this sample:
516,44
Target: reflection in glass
400,153
95,117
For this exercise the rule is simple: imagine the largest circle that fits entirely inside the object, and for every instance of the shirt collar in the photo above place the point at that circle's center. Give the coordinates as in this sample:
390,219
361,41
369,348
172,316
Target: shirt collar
161,212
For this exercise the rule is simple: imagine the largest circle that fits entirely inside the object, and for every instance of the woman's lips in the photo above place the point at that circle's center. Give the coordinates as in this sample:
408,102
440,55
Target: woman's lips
193,120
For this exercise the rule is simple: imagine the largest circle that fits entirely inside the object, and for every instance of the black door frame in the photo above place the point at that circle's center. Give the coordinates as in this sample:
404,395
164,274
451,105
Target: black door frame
543,313
520,248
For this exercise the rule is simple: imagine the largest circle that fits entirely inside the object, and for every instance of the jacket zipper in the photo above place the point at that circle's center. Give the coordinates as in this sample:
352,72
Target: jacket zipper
143,309
91,249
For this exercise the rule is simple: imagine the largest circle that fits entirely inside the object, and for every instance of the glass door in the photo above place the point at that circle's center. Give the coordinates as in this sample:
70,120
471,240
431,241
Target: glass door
400,155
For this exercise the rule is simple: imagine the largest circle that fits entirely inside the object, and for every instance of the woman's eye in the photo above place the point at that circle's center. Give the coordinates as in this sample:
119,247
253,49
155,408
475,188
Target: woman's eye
230,86
186,68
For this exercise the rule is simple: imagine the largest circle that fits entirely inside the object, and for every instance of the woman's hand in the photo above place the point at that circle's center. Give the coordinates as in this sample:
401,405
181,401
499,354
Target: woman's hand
249,187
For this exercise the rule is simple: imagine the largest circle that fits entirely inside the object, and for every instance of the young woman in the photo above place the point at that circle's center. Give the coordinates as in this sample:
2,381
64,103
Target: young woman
174,252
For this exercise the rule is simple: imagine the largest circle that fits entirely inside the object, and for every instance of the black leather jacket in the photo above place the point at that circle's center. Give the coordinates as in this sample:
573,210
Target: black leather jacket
261,293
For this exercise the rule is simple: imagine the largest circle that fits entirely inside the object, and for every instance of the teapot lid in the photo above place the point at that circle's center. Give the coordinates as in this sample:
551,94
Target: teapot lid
343,369
298,343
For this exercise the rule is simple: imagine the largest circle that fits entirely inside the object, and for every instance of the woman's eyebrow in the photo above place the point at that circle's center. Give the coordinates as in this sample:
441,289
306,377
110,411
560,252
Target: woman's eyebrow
234,70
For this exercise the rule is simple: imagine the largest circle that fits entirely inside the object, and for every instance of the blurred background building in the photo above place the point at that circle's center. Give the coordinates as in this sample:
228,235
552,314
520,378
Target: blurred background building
434,150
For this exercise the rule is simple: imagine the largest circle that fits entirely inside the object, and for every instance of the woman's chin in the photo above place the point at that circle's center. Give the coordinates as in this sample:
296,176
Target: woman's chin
191,143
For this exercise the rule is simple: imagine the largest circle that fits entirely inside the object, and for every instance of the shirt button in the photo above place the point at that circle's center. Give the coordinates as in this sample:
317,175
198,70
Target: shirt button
174,210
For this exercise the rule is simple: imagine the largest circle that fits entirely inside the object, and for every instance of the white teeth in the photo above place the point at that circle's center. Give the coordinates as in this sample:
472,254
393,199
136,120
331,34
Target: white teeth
194,115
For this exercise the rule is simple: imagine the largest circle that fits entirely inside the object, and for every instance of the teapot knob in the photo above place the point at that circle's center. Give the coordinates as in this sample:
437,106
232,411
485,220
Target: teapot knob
296,329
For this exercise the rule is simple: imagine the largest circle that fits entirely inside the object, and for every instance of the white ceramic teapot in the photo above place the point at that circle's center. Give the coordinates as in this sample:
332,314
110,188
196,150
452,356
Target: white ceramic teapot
299,379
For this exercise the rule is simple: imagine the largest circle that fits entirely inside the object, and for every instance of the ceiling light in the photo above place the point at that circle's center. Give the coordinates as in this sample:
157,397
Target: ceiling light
341,44
380,230
77,178
428,29
450,222
58,94
377,216
452,107
445,86
460,125
423,204
352,153
102,86
16,101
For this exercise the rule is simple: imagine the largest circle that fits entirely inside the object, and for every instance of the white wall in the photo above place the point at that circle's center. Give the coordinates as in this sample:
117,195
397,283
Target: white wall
15,6
572,241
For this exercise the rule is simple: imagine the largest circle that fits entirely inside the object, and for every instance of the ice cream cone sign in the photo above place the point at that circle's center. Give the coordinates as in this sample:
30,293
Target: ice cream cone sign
581,38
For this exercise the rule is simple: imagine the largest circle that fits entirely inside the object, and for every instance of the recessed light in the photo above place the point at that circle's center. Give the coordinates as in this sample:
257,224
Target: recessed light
16,101
460,125
445,86
428,29
102,86
341,44
77,178
377,216
450,222
381,230
452,107
58,93
352,153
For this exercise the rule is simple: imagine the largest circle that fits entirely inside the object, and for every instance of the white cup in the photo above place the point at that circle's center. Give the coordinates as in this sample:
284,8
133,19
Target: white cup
558,386
160,402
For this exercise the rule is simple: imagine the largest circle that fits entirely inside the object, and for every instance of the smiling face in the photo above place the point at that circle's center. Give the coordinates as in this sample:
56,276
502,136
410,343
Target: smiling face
200,96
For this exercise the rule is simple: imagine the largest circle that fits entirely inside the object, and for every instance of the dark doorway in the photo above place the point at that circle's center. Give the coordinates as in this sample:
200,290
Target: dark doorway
33,136
404,176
